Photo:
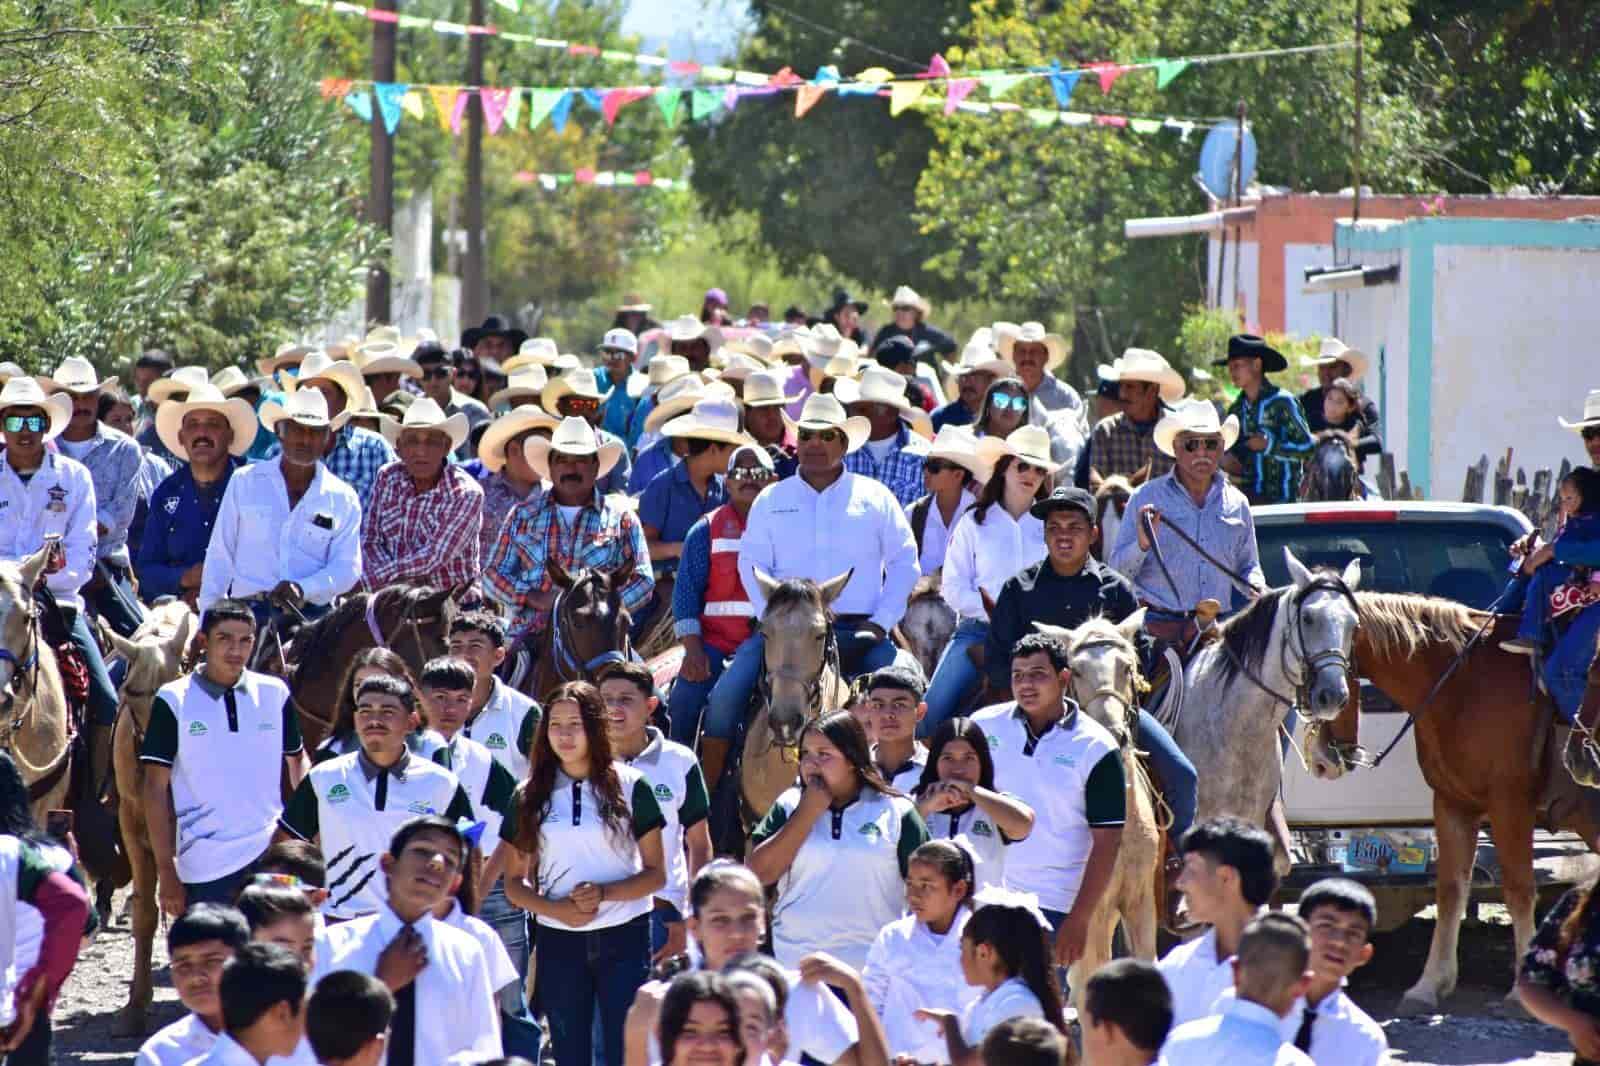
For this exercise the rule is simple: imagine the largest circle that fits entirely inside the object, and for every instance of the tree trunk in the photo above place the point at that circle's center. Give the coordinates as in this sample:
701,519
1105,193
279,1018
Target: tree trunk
474,275
380,192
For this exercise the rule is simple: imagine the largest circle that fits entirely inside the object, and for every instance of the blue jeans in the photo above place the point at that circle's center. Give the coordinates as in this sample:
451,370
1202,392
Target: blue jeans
102,696
730,696
115,601
688,699
519,1030
584,973
1535,624
662,916
1177,773
955,679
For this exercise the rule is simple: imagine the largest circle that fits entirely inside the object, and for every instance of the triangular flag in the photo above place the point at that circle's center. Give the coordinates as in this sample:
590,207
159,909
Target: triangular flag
806,97
560,112
715,73
595,98
548,181
360,102
703,102
1110,120
828,75
1075,118
1167,69
390,95
1109,73
730,97
875,75
444,103
513,108
937,67
857,88
1063,82
494,107
786,76
957,90
617,99
642,177
411,104
1144,125
1000,84
460,112
583,175
1183,128
668,100
335,88
510,5
1043,116
540,103
902,94
606,177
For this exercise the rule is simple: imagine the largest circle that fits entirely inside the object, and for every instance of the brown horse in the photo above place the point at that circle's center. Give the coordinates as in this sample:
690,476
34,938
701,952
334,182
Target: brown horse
1333,472
33,704
1111,502
928,624
155,654
588,628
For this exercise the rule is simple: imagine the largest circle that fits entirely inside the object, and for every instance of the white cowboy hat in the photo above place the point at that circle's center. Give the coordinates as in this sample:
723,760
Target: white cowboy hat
1142,364
978,355
320,366
343,348
881,385
529,382
572,436
240,415
659,372
690,328
535,351
714,417
230,379
823,411
308,407
575,382
23,391
958,444
681,396
9,370
1031,444
756,346
1334,350
1591,414
384,352
1030,333
492,445
764,388
367,408
795,340
288,354
176,382
1198,417
739,367
826,341
906,296
425,413
77,375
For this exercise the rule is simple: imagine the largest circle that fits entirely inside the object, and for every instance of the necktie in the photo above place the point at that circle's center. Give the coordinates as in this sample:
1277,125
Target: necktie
403,1026
1302,1039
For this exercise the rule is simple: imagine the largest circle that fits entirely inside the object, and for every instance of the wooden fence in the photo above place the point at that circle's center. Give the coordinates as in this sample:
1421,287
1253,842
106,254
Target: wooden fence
1535,498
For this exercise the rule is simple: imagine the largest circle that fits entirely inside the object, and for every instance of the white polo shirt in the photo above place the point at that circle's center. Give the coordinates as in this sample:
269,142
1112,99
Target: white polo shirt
674,775
910,967
506,726
226,750
1342,1034
847,881
58,499
1071,775
489,786
982,838
906,776
1009,999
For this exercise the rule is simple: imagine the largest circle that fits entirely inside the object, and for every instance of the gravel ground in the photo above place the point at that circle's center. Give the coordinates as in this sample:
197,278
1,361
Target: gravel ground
1479,1029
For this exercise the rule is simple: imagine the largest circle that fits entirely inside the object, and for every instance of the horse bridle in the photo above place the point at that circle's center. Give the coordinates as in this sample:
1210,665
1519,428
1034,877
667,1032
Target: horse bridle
27,668
408,620
1130,704
568,665
830,657
1309,665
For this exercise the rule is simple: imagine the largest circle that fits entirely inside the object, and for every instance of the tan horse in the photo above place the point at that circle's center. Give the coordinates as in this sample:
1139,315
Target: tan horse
33,704
155,654
928,624
1106,685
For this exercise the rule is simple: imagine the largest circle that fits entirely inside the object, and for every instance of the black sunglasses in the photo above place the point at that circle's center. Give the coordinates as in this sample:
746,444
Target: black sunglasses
940,466
1202,444
1591,432
826,436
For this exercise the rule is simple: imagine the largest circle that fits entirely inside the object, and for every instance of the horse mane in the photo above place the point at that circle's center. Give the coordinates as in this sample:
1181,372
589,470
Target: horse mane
1247,634
1097,628
796,592
322,632
1399,624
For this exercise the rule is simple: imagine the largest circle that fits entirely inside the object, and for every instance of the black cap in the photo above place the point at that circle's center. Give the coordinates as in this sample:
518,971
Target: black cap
154,359
1067,497
896,350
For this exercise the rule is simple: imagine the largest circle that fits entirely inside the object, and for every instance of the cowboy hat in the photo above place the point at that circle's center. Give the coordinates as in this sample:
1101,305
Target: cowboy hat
822,411
288,354
689,328
425,413
1249,346
681,396
344,347
1031,444
384,352
633,302
308,407
575,382
1007,336
825,342
880,385
23,391
1591,414
536,351
230,379
714,417
77,375
1197,417
320,366
529,382
9,370
757,346
842,299
764,388
1334,350
1142,364
660,371
367,408
959,445
795,340
740,366
978,355
834,359
906,296
492,445
493,326
240,415
176,383
572,436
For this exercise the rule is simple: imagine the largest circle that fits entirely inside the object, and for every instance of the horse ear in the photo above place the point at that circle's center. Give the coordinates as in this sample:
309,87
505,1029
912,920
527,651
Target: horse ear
1297,570
1061,633
831,588
1140,476
178,643
33,568
110,637
558,573
1129,627
1352,575
765,582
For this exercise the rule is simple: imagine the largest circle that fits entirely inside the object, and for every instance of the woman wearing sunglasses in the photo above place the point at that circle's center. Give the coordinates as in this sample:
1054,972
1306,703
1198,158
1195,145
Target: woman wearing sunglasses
1005,409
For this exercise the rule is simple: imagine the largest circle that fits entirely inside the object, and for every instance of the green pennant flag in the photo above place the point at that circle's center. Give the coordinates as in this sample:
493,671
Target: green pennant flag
540,103
1167,69
714,73
703,102
668,100
616,56
1041,116
1000,84
513,109
1144,125
563,179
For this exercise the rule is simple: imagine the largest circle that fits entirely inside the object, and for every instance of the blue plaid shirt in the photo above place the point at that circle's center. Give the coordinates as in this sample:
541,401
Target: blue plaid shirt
357,456
901,471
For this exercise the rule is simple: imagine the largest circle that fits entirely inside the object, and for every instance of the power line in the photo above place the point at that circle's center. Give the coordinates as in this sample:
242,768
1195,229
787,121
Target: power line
844,38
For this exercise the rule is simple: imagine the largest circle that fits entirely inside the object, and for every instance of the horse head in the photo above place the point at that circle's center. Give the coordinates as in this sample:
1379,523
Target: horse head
1322,630
929,622
156,653
18,619
589,624
1106,682
798,629
1111,503
1331,471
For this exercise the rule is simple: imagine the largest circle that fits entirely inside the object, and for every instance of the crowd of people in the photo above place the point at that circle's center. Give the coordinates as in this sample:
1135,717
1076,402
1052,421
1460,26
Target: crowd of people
540,877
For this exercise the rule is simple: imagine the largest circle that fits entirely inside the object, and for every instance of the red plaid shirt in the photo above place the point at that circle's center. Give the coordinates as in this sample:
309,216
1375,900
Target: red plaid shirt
428,538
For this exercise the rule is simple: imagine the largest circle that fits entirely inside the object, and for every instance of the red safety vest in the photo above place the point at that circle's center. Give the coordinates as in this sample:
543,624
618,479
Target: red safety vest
728,615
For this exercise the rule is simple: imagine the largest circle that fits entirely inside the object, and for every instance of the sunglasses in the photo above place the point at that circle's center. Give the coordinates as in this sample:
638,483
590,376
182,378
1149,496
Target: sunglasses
1591,432
1004,401
750,473
1202,444
826,436
1025,467
26,423
437,372
580,404
940,466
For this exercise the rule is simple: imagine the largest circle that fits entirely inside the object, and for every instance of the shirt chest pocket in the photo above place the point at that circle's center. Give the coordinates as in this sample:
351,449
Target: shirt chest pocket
312,541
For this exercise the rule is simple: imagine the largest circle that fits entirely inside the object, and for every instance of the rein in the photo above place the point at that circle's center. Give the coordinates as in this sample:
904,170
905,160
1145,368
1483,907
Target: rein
568,665
1238,581
830,658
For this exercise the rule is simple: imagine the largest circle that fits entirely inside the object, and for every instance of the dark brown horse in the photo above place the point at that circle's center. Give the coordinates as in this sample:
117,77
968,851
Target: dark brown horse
1333,472
588,629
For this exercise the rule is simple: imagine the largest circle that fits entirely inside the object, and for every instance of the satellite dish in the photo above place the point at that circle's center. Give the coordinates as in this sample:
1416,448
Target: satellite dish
1216,159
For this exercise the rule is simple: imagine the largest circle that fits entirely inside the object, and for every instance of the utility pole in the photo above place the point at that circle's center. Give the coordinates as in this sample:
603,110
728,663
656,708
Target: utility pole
474,275
380,189
1238,201
1355,155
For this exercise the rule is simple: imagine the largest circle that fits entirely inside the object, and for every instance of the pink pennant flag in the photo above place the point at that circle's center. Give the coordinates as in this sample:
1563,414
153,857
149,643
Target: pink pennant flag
643,177
1110,120
335,88
616,99
379,15
785,77
460,112
582,50
682,67
937,67
957,90
1109,73
524,177
806,97
584,176
494,107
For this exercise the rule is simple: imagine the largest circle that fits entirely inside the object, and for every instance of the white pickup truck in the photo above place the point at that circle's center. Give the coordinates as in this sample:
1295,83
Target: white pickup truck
1376,825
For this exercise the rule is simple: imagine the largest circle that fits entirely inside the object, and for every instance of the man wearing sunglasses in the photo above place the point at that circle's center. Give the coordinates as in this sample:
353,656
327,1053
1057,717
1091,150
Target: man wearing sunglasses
574,394
438,384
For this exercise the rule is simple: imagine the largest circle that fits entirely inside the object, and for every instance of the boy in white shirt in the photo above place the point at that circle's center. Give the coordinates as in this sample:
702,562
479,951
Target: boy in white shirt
1127,1014
895,701
1325,1024
263,992
500,718
199,944
347,1019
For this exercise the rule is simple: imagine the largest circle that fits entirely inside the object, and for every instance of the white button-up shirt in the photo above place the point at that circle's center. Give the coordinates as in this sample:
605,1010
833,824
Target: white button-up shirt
59,499
909,967
258,540
983,556
936,535
1196,977
1342,1034
1242,1034
795,531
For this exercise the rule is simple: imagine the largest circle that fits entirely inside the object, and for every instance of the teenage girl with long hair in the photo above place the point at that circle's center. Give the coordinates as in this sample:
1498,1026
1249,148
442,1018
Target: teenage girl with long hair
957,797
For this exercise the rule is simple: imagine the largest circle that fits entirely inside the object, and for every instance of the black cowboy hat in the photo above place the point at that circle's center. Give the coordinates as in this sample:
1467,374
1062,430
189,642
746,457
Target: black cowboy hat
492,326
1249,346
841,298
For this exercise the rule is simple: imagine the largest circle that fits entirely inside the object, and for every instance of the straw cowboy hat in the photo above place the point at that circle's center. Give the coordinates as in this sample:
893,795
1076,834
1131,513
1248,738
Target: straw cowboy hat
823,411
690,328
1249,346
367,408
535,351
492,445
384,352
306,407
1591,414
575,382
176,383
230,380
23,391
714,417
740,366
1031,444
240,415
882,385
660,371
906,296
572,436
978,355
9,370
288,354
1142,364
76,375
1198,417
835,359
764,388
529,382
958,444
757,346
1006,340
795,340
425,413
633,302
681,396
1335,350
320,366
826,340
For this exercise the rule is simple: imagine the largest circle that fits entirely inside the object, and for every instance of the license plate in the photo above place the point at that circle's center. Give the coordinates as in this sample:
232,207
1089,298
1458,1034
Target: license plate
1395,852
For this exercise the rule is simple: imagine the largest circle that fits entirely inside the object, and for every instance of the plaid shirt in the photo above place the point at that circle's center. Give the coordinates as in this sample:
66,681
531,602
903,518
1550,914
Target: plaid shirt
428,538
499,500
901,471
1121,446
1273,475
357,456
602,537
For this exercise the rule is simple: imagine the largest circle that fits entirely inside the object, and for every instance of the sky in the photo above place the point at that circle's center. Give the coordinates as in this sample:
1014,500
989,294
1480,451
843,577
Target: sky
702,30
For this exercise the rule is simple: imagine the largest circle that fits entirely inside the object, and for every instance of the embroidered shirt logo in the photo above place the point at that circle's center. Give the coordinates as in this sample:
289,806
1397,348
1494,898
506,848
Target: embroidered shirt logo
664,792
170,504
994,741
198,729
418,807
496,742
264,727
871,831
58,499
1065,760
981,829
338,794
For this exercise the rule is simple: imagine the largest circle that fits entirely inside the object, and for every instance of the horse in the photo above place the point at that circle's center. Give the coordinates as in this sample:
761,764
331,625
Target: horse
1333,472
1111,503
588,628
155,654
928,624
34,728
1106,684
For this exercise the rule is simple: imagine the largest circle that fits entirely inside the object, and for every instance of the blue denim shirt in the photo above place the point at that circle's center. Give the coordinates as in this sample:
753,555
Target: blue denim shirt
1222,525
177,530
652,461
670,506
